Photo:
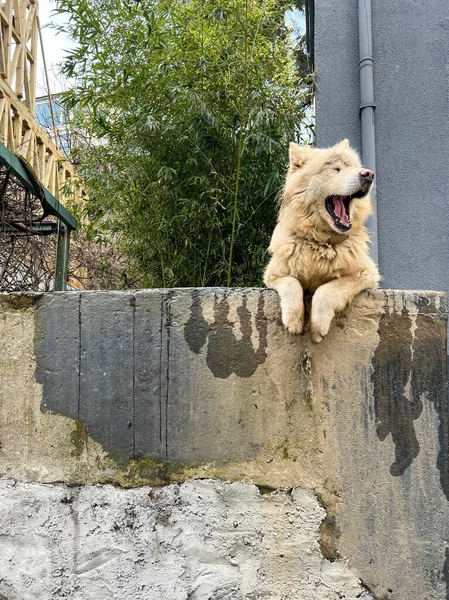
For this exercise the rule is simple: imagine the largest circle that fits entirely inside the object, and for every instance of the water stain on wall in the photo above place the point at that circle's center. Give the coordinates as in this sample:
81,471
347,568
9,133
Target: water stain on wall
395,411
226,353
196,330
428,381
445,573
409,368
104,359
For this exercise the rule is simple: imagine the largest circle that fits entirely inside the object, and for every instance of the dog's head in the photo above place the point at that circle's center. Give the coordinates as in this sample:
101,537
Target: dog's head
328,187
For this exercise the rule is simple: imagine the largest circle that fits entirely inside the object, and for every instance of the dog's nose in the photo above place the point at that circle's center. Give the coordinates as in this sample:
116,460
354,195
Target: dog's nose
367,174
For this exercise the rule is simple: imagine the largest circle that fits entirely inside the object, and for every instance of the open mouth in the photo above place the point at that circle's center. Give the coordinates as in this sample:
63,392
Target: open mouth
338,208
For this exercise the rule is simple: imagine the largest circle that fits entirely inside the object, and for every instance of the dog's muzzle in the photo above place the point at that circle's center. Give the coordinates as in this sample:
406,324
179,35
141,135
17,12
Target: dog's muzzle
338,206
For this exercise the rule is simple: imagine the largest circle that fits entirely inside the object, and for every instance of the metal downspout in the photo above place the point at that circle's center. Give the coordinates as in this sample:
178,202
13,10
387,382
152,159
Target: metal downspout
310,31
367,109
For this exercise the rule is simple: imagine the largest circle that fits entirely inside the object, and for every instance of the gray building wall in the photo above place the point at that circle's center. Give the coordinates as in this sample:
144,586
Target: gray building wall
411,76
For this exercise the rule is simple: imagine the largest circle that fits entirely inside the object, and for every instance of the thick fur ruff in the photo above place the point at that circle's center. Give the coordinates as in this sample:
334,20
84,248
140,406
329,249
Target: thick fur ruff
320,243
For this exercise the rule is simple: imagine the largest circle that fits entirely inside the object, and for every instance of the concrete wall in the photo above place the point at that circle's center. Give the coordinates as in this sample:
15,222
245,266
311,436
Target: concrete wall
246,462
411,54
197,540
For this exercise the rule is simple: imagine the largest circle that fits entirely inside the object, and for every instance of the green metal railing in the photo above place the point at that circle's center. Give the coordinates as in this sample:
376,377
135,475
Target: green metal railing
65,223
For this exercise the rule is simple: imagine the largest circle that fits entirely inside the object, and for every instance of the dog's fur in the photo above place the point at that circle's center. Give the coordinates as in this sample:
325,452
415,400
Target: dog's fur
309,250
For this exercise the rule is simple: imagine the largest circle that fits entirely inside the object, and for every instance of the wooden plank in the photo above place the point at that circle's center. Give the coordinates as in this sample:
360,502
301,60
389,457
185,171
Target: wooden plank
3,18
26,139
51,181
30,12
4,108
7,36
61,179
77,194
40,158
17,129
30,155
20,69
50,159
16,10
26,84
29,24
13,65
2,53
34,34
11,142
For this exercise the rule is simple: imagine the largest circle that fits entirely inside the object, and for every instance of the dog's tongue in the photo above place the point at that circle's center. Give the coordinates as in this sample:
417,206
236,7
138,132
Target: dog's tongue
339,210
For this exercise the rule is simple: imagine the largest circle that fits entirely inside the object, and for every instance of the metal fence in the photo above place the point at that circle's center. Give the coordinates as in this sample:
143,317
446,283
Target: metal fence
34,230
27,239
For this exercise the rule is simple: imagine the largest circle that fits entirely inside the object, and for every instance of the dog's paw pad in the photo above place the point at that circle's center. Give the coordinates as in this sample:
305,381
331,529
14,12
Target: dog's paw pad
295,330
316,337
319,330
294,325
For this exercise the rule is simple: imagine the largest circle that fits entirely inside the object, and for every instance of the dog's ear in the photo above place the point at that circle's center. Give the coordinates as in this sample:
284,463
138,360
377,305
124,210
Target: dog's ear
298,155
343,145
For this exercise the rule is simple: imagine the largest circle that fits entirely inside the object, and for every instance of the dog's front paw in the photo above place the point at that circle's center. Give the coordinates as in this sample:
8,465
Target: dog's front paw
293,321
320,323
318,332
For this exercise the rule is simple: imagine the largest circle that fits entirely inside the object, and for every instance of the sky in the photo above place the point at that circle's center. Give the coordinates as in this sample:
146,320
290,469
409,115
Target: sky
56,43
54,46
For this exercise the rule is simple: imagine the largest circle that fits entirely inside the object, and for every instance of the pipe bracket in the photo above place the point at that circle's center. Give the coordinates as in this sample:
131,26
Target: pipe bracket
368,105
369,60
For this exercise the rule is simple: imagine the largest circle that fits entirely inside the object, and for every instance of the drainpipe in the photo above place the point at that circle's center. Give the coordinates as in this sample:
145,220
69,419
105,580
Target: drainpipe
367,109
310,30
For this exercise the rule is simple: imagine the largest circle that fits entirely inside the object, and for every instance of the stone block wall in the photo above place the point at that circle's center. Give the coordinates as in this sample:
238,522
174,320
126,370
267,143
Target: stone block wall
174,444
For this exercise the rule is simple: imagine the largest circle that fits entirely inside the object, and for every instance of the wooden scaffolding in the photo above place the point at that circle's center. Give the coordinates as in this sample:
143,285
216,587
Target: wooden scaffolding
19,130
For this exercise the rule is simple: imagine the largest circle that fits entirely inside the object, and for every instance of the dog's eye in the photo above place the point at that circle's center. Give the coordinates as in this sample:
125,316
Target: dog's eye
337,169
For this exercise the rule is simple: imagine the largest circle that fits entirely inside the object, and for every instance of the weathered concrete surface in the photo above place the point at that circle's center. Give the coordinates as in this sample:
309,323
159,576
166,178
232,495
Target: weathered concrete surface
197,540
162,386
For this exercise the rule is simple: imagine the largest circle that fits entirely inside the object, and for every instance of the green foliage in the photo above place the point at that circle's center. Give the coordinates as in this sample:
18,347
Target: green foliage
194,102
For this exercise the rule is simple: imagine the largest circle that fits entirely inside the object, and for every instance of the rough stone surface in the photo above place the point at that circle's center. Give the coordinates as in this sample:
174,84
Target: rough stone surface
206,383
198,540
